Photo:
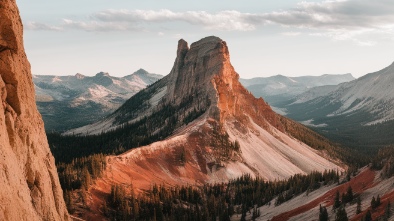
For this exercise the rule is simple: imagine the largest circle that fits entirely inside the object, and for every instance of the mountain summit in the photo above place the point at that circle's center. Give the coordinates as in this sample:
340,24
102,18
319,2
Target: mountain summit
207,128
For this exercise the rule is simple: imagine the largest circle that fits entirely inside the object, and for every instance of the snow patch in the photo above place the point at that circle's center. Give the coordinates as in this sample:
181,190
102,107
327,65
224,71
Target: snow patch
310,123
292,80
281,111
56,79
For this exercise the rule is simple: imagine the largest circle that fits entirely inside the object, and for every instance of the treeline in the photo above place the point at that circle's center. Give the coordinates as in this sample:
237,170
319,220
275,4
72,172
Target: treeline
223,147
384,161
159,125
81,171
318,142
212,201
78,175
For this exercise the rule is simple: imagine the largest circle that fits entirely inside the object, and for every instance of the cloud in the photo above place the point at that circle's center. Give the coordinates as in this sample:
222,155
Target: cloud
224,20
99,26
41,27
339,14
337,19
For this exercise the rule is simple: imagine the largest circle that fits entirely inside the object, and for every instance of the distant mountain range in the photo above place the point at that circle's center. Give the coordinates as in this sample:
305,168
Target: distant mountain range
358,113
66,102
280,89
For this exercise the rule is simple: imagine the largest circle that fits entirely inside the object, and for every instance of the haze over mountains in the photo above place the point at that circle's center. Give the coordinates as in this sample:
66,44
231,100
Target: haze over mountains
66,102
358,113
279,89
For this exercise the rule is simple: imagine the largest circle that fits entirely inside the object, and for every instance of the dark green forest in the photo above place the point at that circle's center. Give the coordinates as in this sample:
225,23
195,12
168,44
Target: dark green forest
240,196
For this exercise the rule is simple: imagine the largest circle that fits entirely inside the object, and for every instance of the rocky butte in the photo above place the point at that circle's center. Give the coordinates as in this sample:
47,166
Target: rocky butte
29,183
217,129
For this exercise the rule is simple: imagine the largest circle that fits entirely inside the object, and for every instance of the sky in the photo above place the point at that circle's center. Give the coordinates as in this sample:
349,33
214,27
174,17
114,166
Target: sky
265,38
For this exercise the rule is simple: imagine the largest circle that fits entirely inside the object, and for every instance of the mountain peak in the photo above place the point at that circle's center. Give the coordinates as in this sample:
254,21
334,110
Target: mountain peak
79,76
183,47
196,67
141,71
100,74
208,40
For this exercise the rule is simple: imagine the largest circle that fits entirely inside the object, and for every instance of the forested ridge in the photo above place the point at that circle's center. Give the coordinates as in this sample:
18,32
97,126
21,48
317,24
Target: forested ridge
157,126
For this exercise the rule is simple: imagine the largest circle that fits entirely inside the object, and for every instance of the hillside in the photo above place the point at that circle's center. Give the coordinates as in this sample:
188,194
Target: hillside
279,89
67,102
357,114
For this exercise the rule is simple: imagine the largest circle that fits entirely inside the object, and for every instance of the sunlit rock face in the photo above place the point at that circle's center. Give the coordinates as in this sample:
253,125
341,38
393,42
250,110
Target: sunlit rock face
29,184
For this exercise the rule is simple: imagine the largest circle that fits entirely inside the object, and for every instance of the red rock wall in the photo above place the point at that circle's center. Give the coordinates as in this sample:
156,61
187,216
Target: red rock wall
29,184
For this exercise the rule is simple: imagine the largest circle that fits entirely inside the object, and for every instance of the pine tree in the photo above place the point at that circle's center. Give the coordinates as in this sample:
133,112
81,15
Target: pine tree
323,214
349,194
373,203
368,216
86,179
136,209
343,199
243,215
256,213
154,214
337,202
341,214
378,201
387,212
358,209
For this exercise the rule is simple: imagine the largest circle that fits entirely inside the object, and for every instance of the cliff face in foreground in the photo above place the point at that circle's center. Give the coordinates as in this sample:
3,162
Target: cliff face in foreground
29,184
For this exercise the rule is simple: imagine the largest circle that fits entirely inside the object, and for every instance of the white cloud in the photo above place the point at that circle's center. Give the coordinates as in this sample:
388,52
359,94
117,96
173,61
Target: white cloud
337,19
98,26
41,27
224,20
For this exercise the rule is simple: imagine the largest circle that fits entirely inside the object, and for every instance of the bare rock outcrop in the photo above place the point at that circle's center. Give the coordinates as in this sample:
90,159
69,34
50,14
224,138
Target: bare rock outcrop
29,184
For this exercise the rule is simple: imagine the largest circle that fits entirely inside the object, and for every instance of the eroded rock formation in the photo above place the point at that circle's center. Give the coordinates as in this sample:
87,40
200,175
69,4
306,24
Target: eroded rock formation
213,113
29,184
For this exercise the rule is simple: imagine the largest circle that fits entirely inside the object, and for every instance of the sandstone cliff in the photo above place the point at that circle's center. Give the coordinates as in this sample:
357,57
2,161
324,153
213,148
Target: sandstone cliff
29,184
